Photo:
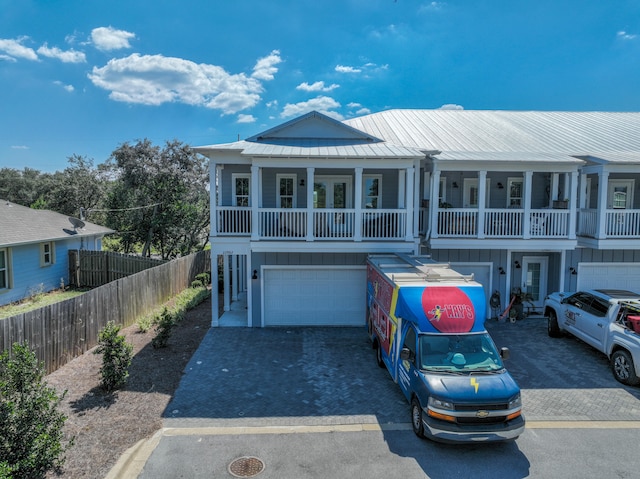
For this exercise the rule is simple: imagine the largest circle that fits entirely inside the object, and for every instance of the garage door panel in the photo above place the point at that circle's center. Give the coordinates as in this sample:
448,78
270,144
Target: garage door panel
314,296
609,275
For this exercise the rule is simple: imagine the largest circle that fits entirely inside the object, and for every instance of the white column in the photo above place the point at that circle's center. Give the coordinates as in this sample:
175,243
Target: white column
573,201
482,196
215,291
526,223
357,230
310,219
415,204
255,202
216,186
234,277
225,276
433,202
408,203
603,185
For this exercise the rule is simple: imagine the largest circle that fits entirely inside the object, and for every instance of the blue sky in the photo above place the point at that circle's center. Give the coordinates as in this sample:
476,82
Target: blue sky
81,77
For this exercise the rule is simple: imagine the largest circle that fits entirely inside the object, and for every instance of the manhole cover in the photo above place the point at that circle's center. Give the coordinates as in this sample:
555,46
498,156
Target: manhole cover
246,467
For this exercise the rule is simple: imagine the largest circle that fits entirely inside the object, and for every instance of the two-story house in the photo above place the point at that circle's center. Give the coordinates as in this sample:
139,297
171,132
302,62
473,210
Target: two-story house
538,201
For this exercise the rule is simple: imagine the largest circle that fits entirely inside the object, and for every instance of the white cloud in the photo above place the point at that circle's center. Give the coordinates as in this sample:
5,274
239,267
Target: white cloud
432,7
69,88
317,86
246,118
323,104
15,49
69,56
19,147
272,104
108,38
265,67
8,58
347,69
626,36
363,111
155,79
451,106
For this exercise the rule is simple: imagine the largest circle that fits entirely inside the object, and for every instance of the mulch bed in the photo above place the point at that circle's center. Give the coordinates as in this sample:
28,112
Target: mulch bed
105,425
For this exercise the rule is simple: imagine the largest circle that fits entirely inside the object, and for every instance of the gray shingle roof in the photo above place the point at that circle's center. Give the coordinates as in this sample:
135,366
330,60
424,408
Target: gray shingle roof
22,225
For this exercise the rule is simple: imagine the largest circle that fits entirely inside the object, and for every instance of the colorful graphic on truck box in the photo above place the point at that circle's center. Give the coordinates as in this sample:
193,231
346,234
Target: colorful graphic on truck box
381,296
444,309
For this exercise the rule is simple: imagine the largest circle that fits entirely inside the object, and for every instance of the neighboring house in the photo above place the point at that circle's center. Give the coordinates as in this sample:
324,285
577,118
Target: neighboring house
539,201
34,247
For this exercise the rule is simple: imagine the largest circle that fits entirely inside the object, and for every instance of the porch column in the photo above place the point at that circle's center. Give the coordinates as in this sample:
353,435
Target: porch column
357,227
225,276
415,204
482,197
310,219
234,277
215,172
573,200
433,202
215,291
526,223
408,203
603,185
582,195
256,200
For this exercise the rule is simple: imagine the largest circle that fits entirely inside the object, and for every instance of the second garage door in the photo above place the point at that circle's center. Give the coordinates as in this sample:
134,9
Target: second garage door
609,275
314,296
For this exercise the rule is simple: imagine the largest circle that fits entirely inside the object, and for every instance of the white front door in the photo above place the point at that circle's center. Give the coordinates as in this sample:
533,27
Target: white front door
534,279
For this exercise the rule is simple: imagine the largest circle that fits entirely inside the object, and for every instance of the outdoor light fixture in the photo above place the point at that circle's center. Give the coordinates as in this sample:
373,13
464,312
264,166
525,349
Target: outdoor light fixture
255,274
301,181
454,184
500,186
517,263
501,270
572,270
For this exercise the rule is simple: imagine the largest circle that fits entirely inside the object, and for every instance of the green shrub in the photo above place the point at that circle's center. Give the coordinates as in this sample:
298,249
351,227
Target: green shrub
116,357
204,278
30,423
196,283
146,322
163,329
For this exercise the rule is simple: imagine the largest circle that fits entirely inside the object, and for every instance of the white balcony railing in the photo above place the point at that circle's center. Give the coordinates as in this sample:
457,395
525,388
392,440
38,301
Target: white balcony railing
617,223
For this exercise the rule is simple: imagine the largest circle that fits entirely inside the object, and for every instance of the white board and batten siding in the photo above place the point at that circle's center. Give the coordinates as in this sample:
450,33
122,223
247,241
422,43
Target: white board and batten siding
609,276
314,295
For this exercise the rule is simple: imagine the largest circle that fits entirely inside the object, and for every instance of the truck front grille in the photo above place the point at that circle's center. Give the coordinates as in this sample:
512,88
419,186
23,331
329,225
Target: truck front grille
482,407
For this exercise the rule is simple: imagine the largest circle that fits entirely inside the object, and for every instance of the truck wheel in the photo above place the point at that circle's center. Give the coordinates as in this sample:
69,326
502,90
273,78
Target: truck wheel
416,417
623,368
552,325
379,356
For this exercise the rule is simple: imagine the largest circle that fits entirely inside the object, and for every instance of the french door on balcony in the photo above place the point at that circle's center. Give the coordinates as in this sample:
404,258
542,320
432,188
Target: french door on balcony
333,194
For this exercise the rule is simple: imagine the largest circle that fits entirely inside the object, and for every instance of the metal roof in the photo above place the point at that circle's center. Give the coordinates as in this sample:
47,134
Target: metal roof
22,225
571,133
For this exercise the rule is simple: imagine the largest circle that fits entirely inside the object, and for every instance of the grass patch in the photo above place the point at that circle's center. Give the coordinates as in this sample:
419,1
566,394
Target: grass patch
39,300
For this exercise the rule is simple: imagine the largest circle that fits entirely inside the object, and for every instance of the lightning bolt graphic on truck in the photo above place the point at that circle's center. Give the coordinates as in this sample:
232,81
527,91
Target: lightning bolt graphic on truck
426,323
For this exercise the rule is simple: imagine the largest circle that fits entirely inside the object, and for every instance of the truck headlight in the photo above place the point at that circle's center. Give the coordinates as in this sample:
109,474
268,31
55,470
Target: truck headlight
516,402
440,404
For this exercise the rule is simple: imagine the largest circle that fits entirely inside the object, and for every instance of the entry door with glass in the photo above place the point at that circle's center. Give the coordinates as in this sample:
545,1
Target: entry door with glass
333,193
534,280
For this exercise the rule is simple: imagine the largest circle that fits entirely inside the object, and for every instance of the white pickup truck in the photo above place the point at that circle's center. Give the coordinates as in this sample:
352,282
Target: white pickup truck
607,319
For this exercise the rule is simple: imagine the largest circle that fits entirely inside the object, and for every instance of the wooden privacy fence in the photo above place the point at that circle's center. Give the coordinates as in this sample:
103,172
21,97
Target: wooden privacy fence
59,332
95,268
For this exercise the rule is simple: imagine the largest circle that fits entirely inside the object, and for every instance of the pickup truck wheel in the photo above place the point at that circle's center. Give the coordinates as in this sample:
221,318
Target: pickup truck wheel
416,417
379,356
552,325
623,368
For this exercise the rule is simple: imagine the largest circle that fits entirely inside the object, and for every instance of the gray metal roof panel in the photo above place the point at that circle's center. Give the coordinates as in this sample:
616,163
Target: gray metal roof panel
22,225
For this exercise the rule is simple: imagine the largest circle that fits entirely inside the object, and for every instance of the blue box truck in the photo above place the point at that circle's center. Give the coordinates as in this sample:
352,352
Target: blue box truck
426,322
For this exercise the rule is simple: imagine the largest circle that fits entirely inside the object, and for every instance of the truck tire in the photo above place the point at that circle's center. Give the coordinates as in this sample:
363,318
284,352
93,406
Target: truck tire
416,417
623,368
552,325
379,360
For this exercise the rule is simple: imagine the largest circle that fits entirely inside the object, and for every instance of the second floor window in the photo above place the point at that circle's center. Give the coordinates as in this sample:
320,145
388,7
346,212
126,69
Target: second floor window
286,191
241,190
514,198
372,191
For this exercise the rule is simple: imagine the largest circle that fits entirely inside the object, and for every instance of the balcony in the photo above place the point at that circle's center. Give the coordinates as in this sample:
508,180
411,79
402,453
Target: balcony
300,224
614,224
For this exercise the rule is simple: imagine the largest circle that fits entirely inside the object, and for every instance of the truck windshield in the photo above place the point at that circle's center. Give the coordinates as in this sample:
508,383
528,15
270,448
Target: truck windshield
459,353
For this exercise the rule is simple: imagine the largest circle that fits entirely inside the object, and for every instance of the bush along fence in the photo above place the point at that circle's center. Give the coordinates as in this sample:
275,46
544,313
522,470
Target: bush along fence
62,331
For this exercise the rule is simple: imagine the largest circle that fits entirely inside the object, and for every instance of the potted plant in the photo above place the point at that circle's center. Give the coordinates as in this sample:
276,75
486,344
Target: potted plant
561,204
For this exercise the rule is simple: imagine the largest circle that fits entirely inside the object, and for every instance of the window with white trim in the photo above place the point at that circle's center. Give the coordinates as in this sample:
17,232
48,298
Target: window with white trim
515,187
47,253
372,191
241,189
4,269
286,188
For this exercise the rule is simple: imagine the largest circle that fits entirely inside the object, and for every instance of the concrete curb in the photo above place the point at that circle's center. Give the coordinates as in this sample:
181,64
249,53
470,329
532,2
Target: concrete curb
131,463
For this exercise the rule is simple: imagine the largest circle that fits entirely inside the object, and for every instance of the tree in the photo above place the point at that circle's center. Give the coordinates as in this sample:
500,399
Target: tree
159,199
30,423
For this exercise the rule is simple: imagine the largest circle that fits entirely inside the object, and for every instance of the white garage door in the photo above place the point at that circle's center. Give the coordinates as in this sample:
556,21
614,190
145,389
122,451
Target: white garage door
314,296
609,275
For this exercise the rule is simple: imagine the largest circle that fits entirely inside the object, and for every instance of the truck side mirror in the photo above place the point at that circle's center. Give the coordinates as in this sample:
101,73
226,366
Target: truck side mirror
505,353
407,355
